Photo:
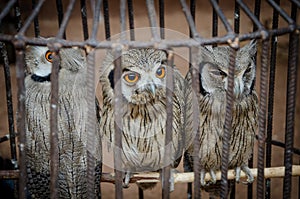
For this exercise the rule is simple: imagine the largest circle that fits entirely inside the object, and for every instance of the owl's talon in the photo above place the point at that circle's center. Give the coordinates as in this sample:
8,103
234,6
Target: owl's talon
213,176
237,174
249,174
202,177
126,180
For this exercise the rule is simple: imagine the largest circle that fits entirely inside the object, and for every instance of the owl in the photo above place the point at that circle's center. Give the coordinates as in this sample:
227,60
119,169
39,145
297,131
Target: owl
213,69
72,118
143,83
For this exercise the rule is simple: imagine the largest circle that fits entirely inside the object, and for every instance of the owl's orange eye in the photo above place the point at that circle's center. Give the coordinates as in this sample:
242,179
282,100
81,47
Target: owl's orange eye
49,56
161,72
131,77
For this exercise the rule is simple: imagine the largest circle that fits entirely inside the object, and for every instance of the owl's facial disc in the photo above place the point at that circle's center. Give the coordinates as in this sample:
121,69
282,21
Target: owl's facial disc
43,72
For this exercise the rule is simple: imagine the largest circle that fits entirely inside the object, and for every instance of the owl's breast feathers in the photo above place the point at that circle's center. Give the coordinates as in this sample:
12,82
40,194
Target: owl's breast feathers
244,125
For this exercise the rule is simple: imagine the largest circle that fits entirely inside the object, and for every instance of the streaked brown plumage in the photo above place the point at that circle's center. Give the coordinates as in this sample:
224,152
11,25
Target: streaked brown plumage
213,66
72,118
144,110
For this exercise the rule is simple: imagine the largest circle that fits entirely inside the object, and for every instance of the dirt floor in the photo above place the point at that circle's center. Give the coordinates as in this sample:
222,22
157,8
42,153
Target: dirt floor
178,28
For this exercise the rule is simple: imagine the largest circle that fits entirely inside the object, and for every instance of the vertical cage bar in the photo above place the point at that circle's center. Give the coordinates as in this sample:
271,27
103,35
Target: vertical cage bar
196,181
122,20
6,9
131,19
169,127
20,62
262,118
189,19
118,123
215,24
196,88
60,14
227,125
62,30
10,111
84,19
152,19
162,18
18,16
36,22
257,6
91,125
271,101
54,151
31,17
237,18
290,108
106,19
96,19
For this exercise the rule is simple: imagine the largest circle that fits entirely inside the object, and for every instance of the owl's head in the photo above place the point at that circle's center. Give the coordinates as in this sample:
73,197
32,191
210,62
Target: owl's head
214,68
143,76
39,62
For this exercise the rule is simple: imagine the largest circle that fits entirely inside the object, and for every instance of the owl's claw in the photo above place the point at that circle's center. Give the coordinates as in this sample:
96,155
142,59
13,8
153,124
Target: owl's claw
126,179
202,177
213,176
247,171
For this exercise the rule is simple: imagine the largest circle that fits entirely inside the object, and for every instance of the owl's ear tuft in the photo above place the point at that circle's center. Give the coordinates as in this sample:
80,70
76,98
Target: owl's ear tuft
251,48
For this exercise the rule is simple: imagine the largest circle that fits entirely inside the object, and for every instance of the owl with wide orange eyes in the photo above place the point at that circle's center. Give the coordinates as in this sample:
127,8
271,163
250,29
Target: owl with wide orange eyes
71,118
143,83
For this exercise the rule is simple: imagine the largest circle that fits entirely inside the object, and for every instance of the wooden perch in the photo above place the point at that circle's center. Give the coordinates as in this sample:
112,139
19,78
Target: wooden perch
273,172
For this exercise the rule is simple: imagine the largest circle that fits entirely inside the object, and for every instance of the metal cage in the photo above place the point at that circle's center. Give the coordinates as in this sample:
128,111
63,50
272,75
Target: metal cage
97,18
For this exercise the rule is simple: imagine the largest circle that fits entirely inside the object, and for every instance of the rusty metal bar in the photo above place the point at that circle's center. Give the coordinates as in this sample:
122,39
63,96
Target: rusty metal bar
162,18
60,14
6,9
54,150
62,30
10,110
169,127
296,3
36,22
290,107
237,18
257,6
227,124
282,13
106,19
281,144
20,63
220,13
196,88
271,100
91,125
131,19
215,23
31,17
84,19
96,20
152,19
117,52
262,118
247,11
123,20
191,55
189,19
18,24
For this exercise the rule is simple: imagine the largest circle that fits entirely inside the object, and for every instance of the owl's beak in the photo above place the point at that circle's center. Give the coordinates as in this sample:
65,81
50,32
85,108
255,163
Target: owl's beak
152,89
238,86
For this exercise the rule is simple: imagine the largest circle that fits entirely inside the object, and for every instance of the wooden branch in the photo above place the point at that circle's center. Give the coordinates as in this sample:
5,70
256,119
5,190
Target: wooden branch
273,172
